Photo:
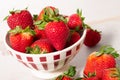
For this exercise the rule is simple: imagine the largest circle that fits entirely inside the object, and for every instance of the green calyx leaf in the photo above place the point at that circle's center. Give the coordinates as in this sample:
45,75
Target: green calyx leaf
71,71
35,16
79,12
26,8
118,69
19,29
14,11
91,74
114,75
62,18
16,30
29,30
49,14
35,50
108,50
17,11
115,72
40,24
5,18
87,26
53,15
55,18
56,11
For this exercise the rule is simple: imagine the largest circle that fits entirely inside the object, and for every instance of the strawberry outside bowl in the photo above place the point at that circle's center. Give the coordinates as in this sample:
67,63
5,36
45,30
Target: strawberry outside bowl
50,64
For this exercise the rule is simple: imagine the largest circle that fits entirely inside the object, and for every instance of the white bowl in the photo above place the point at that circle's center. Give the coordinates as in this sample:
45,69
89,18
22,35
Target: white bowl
46,62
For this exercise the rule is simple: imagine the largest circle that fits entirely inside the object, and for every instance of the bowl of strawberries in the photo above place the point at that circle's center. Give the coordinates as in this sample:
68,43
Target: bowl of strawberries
47,42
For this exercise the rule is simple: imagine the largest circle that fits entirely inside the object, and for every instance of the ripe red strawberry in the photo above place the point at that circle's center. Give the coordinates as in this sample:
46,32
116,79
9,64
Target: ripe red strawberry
75,21
40,46
75,36
21,18
40,33
21,38
98,61
57,33
67,74
111,74
39,29
92,37
47,11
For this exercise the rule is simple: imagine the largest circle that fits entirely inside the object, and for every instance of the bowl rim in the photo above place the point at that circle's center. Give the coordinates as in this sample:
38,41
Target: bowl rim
51,53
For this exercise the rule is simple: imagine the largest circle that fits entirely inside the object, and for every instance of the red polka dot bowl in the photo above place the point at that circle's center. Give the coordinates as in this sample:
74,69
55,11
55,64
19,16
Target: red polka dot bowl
46,62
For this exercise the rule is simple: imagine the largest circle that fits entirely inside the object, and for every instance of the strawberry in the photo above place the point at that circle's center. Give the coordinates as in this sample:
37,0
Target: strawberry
40,46
21,38
49,14
40,33
92,37
47,11
98,61
75,36
21,18
75,21
39,29
57,33
67,75
111,74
